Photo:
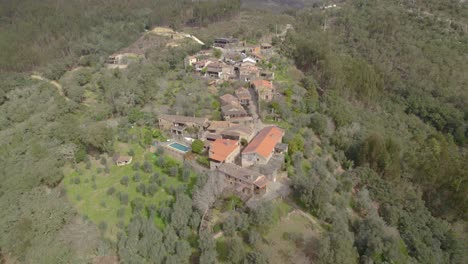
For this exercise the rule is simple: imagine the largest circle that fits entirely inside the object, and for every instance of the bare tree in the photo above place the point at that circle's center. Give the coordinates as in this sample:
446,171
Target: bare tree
206,196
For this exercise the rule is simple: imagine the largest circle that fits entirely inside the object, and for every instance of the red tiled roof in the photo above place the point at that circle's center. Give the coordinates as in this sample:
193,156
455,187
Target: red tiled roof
262,83
265,141
220,149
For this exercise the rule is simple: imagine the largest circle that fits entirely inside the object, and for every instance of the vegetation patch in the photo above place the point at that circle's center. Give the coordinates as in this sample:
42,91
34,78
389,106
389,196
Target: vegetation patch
108,194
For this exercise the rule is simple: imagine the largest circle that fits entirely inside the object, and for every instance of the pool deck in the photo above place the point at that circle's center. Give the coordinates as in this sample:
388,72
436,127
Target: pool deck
174,151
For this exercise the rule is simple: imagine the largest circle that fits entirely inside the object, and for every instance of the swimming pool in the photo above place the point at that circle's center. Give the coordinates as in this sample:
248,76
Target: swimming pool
179,147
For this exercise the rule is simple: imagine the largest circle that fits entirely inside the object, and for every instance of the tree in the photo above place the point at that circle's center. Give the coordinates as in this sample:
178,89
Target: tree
204,197
152,189
207,247
134,115
147,167
263,214
229,225
110,191
141,242
336,246
123,197
183,251
182,211
217,53
170,239
124,180
197,146
256,257
236,252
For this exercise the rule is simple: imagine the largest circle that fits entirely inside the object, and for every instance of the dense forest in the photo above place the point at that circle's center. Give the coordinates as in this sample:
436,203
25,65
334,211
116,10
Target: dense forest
40,33
393,82
373,102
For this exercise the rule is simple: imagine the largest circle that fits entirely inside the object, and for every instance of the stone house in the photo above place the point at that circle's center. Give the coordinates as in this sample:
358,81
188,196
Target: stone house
262,147
243,181
263,88
230,111
180,125
247,72
239,132
229,99
223,151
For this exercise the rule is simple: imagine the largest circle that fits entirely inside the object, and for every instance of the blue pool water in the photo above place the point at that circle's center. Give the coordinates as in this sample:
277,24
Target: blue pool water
179,147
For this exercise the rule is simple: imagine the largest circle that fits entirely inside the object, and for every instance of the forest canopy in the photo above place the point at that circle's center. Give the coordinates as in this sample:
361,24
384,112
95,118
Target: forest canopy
37,33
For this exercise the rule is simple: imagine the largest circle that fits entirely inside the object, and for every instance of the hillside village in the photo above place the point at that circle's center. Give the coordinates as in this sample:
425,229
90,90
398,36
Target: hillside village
233,131
247,152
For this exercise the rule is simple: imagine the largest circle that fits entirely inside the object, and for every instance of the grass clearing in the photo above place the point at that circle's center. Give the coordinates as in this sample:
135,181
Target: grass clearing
289,239
87,188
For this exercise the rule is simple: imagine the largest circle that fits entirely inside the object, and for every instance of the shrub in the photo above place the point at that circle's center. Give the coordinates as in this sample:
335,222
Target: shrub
197,146
147,167
123,197
124,180
136,166
121,224
110,191
173,171
103,161
319,123
131,152
77,180
152,189
121,212
204,161
137,205
154,178
141,188
136,177
254,237
103,203
102,226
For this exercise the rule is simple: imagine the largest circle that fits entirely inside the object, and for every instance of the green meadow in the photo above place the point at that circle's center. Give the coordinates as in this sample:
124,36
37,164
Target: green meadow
99,194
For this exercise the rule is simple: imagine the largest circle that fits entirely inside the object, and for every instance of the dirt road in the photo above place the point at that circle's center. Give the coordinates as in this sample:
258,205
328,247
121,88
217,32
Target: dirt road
54,83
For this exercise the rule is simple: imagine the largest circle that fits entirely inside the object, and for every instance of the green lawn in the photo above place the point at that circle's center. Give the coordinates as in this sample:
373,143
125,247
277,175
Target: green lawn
94,202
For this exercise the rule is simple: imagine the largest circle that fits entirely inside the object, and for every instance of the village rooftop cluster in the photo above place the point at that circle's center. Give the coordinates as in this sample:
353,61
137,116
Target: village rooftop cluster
241,148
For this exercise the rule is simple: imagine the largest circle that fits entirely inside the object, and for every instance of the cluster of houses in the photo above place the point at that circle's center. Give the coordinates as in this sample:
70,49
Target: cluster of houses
246,154
237,62
237,151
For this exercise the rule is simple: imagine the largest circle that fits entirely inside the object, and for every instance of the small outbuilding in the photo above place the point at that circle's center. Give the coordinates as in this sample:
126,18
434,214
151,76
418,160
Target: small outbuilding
122,160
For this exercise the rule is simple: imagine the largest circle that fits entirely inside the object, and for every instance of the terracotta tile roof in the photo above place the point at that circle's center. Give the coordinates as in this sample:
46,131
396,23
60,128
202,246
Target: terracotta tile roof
220,149
265,141
262,83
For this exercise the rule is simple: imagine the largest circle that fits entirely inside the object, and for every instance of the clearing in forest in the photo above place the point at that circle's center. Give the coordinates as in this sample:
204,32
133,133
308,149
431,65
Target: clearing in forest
109,195
292,240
